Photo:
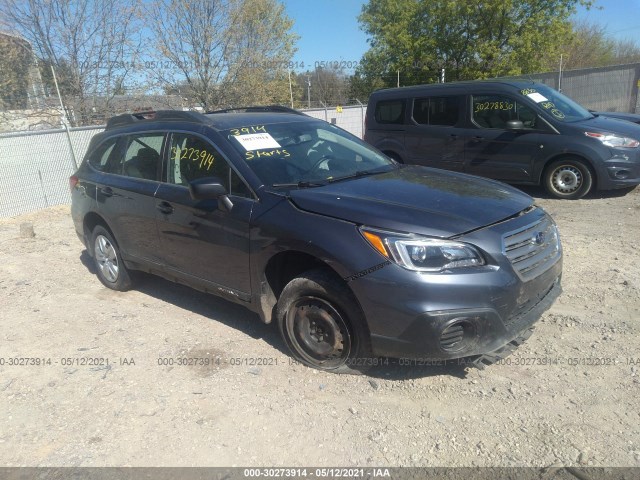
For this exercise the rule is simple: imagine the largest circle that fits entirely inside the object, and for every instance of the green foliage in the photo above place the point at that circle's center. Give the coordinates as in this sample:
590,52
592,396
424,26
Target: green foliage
470,39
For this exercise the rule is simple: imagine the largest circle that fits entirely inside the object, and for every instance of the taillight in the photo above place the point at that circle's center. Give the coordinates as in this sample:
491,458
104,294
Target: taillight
73,181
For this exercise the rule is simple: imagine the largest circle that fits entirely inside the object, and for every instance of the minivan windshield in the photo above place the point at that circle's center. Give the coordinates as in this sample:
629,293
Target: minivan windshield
306,153
562,108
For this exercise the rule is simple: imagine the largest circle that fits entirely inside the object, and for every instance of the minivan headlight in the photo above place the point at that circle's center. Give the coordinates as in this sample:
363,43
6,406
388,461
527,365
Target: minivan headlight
423,254
612,140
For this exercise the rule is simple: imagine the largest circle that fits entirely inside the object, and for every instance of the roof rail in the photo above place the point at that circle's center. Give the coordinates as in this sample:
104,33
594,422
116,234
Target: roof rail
260,108
130,118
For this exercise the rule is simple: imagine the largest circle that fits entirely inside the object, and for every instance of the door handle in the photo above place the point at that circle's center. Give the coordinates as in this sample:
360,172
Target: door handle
165,207
453,136
477,138
106,191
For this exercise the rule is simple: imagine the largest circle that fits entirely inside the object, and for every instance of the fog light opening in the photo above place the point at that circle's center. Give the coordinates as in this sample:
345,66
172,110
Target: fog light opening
458,335
622,174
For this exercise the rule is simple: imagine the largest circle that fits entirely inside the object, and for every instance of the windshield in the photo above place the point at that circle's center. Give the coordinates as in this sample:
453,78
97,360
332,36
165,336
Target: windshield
305,153
561,107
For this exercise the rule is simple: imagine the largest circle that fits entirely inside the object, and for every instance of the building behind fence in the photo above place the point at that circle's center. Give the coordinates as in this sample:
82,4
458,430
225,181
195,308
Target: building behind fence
36,165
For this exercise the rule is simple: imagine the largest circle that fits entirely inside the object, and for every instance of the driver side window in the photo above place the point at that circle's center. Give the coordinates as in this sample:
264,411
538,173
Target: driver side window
493,111
191,158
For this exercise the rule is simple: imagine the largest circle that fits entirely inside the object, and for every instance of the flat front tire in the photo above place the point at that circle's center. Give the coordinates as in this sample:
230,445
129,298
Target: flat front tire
323,325
568,179
108,261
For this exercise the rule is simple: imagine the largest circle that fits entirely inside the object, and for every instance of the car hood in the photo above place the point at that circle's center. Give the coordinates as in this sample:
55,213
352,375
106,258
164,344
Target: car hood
630,117
610,125
415,199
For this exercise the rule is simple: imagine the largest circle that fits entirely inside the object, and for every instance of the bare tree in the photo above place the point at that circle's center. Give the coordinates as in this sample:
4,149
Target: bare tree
92,43
589,45
16,58
218,52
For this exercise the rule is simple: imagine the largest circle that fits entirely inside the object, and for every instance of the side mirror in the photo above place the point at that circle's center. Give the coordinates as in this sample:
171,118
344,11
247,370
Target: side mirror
208,188
514,125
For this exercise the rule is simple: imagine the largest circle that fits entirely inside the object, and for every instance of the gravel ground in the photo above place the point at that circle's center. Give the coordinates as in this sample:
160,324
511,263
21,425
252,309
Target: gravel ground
569,396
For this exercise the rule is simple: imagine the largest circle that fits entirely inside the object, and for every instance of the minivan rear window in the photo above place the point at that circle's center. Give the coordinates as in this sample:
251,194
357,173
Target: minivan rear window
390,111
436,110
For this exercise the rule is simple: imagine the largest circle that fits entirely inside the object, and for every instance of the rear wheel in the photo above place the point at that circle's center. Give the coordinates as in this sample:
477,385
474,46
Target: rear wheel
322,324
108,261
569,179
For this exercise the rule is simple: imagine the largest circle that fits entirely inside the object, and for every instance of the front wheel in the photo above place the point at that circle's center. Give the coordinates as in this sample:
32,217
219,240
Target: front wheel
322,324
568,179
108,261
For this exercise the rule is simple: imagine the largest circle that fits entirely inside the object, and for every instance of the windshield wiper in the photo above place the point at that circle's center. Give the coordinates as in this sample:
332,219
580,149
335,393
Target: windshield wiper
359,173
298,184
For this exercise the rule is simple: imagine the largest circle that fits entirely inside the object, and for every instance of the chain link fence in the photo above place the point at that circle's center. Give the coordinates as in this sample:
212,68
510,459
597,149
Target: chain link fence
603,89
36,167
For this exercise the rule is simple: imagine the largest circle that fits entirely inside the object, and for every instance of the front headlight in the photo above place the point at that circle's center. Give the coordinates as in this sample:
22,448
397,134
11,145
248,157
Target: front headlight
422,254
611,140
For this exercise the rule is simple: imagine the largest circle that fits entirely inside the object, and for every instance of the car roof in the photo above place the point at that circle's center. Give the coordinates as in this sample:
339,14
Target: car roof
453,87
226,121
220,120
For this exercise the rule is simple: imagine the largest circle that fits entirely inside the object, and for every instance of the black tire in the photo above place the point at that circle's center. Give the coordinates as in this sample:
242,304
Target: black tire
109,265
323,325
568,179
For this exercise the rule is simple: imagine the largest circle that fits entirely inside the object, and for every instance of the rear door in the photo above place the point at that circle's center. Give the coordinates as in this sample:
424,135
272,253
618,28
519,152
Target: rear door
202,239
495,152
432,137
126,192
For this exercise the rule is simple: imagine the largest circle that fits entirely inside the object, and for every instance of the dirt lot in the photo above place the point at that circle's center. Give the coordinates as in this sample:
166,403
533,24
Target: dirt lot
569,396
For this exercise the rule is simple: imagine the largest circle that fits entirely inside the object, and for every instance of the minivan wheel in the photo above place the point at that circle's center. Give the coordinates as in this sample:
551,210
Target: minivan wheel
568,179
108,261
322,324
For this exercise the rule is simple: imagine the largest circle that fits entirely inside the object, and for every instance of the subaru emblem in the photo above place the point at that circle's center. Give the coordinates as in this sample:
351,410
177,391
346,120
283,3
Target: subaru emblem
538,239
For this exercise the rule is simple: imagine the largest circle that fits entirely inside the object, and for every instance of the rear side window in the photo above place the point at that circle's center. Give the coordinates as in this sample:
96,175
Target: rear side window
436,111
103,155
142,156
390,111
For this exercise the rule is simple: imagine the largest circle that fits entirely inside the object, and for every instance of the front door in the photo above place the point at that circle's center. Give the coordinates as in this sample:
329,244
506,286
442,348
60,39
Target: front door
202,239
491,150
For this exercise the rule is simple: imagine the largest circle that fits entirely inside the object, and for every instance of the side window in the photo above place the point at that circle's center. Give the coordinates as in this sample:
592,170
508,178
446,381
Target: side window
390,111
101,157
493,111
142,156
437,111
191,157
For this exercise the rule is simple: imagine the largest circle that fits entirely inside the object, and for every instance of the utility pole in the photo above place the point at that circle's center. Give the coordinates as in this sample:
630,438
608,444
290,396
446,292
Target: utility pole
560,75
398,78
290,89
308,91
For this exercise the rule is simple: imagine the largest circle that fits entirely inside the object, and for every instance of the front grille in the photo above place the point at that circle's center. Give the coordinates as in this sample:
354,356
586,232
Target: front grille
532,249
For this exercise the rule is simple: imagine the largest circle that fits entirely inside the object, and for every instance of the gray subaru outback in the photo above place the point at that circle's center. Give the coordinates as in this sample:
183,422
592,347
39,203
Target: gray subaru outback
353,255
